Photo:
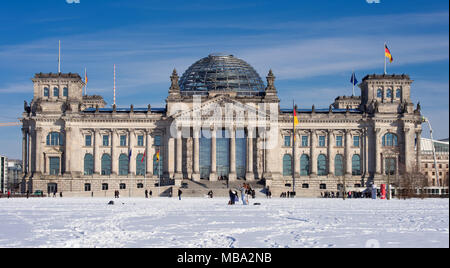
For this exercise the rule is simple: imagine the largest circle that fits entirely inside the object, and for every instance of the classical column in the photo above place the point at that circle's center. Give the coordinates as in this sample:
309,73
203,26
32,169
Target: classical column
24,151
196,152
378,159
366,152
406,144
114,156
331,144
30,151
179,159
67,151
348,157
232,176
418,148
213,175
131,144
250,175
97,156
170,155
313,157
39,152
149,154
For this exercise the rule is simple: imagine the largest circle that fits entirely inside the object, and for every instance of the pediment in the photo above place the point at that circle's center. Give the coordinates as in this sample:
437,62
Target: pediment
224,105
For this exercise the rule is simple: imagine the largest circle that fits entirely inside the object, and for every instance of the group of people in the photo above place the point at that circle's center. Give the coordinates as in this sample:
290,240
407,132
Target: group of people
245,190
8,194
116,194
287,195
352,194
148,193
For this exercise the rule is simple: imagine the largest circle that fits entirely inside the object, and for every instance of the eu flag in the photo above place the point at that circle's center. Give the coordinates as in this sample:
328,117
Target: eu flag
353,80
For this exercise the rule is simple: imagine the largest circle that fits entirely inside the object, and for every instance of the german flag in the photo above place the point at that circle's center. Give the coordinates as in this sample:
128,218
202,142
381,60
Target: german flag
295,117
157,156
388,54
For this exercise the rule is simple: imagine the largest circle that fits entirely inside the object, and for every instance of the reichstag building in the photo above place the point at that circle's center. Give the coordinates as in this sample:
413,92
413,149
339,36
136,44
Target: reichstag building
221,121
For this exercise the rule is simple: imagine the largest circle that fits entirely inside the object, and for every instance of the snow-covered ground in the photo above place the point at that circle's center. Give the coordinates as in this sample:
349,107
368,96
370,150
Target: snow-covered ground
201,222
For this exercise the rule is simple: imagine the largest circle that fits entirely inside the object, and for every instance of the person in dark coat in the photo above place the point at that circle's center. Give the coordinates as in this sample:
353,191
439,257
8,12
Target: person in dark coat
232,197
179,194
146,193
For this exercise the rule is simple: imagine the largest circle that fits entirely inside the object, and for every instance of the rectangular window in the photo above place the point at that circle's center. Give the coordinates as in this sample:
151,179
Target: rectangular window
305,141
322,141
287,141
87,187
105,140
157,141
356,141
88,140
338,141
54,165
65,92
123,140
140,140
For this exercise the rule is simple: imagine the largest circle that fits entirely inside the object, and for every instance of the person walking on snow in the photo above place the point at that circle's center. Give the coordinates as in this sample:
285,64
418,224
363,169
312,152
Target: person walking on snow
179,194
242,190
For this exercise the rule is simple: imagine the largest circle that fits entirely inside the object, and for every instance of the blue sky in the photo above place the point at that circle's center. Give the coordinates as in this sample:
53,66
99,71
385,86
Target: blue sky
312,47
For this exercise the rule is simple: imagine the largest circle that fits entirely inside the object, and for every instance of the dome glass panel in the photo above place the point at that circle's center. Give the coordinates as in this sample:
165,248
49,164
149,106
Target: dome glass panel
220,72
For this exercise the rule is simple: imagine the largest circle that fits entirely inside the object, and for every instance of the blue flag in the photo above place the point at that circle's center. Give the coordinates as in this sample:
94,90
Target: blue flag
353,80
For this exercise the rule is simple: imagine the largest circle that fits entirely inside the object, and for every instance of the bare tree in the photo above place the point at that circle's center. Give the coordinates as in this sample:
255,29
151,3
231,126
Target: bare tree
411,182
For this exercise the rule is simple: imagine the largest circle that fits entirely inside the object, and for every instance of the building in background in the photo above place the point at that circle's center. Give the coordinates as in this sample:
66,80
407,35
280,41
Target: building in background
220,121
14,175
3,173
427,161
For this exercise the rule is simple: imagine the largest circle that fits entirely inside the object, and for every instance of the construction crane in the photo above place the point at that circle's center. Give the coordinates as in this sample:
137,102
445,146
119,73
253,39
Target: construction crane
10,124
425,120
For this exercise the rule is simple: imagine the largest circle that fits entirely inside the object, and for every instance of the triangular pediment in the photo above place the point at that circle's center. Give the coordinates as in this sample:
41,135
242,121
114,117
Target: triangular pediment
221,108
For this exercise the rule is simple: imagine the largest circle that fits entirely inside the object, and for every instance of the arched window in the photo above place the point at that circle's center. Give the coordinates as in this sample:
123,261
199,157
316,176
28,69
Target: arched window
380,93
123,164
287,165
88,164
55,139
339,165
158,165
356,165
322,165
140,164
46,92
398,93
106,164
55,92
389,94
390,140
304,165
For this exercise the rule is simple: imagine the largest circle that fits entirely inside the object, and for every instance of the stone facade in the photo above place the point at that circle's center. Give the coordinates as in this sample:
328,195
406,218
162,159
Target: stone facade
72,143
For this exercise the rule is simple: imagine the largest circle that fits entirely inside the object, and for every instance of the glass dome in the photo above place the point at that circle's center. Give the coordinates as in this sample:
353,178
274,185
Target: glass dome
221,72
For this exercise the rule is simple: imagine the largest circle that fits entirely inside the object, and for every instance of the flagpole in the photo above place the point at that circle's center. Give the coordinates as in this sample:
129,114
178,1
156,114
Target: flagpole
59,57
114,84
385,58
293,146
